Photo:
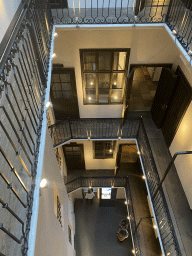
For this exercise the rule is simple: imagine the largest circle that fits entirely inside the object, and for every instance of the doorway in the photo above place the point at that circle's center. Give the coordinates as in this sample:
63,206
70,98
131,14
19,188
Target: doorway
142,85
74,156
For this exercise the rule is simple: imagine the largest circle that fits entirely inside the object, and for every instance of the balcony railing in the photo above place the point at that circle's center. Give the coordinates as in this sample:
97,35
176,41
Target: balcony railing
114,129
116,182
175,13
24,60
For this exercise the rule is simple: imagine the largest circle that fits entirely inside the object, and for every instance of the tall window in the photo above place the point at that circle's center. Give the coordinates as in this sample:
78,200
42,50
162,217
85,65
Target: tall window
104,149
104,74
59,210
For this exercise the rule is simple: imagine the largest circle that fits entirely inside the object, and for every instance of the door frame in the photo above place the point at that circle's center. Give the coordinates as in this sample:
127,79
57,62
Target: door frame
131,68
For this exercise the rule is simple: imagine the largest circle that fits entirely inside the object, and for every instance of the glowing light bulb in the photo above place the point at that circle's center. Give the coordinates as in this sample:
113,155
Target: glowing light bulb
115,83
155,227
55,34
138,153
125,202
48,104
174,32
128,217
43,183
89,98
110,150
54,55
115,97
133,251
91,83
143,177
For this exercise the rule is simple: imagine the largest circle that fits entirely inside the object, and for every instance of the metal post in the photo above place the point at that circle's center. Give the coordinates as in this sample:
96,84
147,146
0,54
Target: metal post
151,217
168,168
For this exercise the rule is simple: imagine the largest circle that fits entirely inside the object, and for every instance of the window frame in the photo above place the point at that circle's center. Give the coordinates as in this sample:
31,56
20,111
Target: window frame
110,72
104,149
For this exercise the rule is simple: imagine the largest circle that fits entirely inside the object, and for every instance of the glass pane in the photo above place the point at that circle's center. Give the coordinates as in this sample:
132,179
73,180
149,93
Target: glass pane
67,95
104,80
66,86
116,96
90,96
65,77
104,60
89,61
55,78
118,80
119,60
55,86
103,96
90,81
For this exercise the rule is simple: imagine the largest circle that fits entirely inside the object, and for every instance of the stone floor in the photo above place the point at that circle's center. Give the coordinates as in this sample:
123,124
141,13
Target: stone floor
96,227
143,90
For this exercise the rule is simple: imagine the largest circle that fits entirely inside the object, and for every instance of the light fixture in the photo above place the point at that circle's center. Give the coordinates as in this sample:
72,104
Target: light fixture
190,52
89,98
154,226
110,150
90,187
115,83
48,104
143,177
138,153
91,83
43,183
115,97
88,138
125,202
128,217
119,138
54,56
133,251
55,34
174,32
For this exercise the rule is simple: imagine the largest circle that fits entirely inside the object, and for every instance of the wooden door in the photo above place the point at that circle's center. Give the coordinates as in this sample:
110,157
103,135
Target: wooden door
74,156
64,93
162,99
180,101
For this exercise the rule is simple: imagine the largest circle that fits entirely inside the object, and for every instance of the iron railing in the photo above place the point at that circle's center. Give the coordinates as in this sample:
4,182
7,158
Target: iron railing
163,217
175,13
130,128
114,181
93,128
24,62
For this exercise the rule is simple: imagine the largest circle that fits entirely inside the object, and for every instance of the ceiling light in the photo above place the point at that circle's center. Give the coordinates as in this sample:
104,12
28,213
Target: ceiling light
125,202
174,32
128,218
115,97
48,104
43,183
154,226
119,138
110,150
91,83
54,55
90,187
115,83
190,52
89,98
138,153
112,186
55,34
133,251
143,177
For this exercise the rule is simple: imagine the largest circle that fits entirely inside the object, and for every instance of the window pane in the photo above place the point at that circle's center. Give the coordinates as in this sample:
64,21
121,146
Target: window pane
116,96
103,96
118,80
89,61
67,95
119,60
104,80
55,78
90,81
66,86
90,96
105,60
65,77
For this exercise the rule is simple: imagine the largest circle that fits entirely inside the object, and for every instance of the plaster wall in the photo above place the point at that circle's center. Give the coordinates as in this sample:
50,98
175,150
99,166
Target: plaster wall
7,11
147,44
51,238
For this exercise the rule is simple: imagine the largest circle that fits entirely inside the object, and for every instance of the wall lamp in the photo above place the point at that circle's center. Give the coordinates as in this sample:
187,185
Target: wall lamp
44,183
48,105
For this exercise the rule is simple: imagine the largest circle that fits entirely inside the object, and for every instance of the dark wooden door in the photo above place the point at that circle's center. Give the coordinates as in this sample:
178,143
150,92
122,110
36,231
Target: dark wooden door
74,156
64,93
180,101
162,99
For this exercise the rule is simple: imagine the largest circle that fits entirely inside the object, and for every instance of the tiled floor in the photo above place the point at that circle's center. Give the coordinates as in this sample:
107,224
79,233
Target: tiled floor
143,91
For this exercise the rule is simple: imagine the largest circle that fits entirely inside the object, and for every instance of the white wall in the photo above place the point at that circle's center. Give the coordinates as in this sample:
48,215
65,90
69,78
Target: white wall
51,238
148,45
7,11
